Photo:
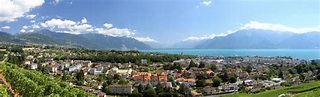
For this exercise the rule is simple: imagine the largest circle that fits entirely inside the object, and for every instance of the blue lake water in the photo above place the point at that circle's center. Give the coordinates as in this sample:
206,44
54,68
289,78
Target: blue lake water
294,53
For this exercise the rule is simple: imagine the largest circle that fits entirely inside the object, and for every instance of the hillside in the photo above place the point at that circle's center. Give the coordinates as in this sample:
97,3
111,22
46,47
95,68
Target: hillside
89,41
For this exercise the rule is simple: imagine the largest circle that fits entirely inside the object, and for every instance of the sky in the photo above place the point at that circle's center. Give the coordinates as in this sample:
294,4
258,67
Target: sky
159,21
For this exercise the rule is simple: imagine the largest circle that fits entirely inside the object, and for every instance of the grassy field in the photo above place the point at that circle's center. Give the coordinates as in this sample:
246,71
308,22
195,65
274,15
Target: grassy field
277,92
313,93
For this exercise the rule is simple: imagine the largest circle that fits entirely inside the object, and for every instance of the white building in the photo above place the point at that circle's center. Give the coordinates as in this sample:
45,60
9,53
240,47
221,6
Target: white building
33,66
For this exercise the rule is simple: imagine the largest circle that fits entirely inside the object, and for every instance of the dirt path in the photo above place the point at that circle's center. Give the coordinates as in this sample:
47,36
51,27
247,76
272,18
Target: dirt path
12,92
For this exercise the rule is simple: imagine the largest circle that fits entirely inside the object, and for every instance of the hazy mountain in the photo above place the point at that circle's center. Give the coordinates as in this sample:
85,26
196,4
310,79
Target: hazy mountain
188,43
263,39
104,41
89,41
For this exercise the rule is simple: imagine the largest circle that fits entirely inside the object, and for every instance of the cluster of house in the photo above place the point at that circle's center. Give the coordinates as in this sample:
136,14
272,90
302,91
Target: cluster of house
169,78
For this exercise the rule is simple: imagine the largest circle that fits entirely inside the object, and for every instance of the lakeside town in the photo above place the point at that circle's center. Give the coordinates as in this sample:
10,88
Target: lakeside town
137,74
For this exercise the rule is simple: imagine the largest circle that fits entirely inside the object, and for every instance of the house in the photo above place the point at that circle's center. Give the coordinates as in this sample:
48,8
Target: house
53,68
195,94
27,62
96,71
229,88
33,66
73,68
142,76
209,90
118,88
187,81
276,80
144,61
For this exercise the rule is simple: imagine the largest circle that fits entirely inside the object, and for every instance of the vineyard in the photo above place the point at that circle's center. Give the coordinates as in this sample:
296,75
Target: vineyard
35,84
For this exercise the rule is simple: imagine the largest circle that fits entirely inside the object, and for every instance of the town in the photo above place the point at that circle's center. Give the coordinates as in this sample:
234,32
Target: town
137,74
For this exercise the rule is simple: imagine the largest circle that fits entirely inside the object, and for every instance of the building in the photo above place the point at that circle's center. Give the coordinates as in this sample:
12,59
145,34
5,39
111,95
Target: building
144,61
315,61
53,68
96,71
33,66
209,90
117,88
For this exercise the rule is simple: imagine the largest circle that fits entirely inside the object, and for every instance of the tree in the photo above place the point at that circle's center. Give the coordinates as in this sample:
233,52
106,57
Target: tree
107,90
183,89
150,93
213,67
160,88
116,76
192,64
200,83
141,88
135,93
299,68
233,79
202,65
80,77
216,81
122,81
318,76
248,69
280,74
224,77
177,66
201,76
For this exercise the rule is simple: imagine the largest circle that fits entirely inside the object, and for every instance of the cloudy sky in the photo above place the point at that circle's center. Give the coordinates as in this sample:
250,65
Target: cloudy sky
161,21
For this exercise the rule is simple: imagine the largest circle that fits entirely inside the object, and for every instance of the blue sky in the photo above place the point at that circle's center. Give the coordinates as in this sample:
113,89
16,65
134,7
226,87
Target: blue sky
162,21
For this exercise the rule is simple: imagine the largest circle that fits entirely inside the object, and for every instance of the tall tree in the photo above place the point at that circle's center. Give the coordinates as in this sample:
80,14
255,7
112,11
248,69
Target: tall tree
202,65
80,77
216,81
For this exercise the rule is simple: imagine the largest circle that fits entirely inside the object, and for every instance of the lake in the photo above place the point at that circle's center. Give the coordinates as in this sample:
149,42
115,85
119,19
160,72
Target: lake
294,53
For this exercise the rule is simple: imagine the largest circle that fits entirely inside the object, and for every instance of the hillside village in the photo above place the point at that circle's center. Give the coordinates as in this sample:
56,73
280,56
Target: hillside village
147,76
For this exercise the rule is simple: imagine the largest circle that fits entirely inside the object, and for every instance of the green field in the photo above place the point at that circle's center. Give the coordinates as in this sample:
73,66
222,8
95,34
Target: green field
277,92
313,93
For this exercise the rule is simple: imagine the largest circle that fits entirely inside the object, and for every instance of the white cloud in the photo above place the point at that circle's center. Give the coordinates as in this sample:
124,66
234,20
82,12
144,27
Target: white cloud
116,32
30,30
10,10
79,27
145,39
58,23
31,16
55,2
6,27
25,27
34,26
205,37
278,27
206,3
68,25
107,25
22,30
84,20
32,21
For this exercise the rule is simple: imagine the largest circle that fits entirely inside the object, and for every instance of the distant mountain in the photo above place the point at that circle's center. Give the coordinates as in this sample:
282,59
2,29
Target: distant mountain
89,41
6,37
263,39
188,43
104,41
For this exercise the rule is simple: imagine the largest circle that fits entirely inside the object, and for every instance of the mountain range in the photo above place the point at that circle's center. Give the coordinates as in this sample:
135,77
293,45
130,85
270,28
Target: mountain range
263,39
88,40
241,39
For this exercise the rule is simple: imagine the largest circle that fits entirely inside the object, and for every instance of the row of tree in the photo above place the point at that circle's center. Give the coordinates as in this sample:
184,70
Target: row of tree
35,84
